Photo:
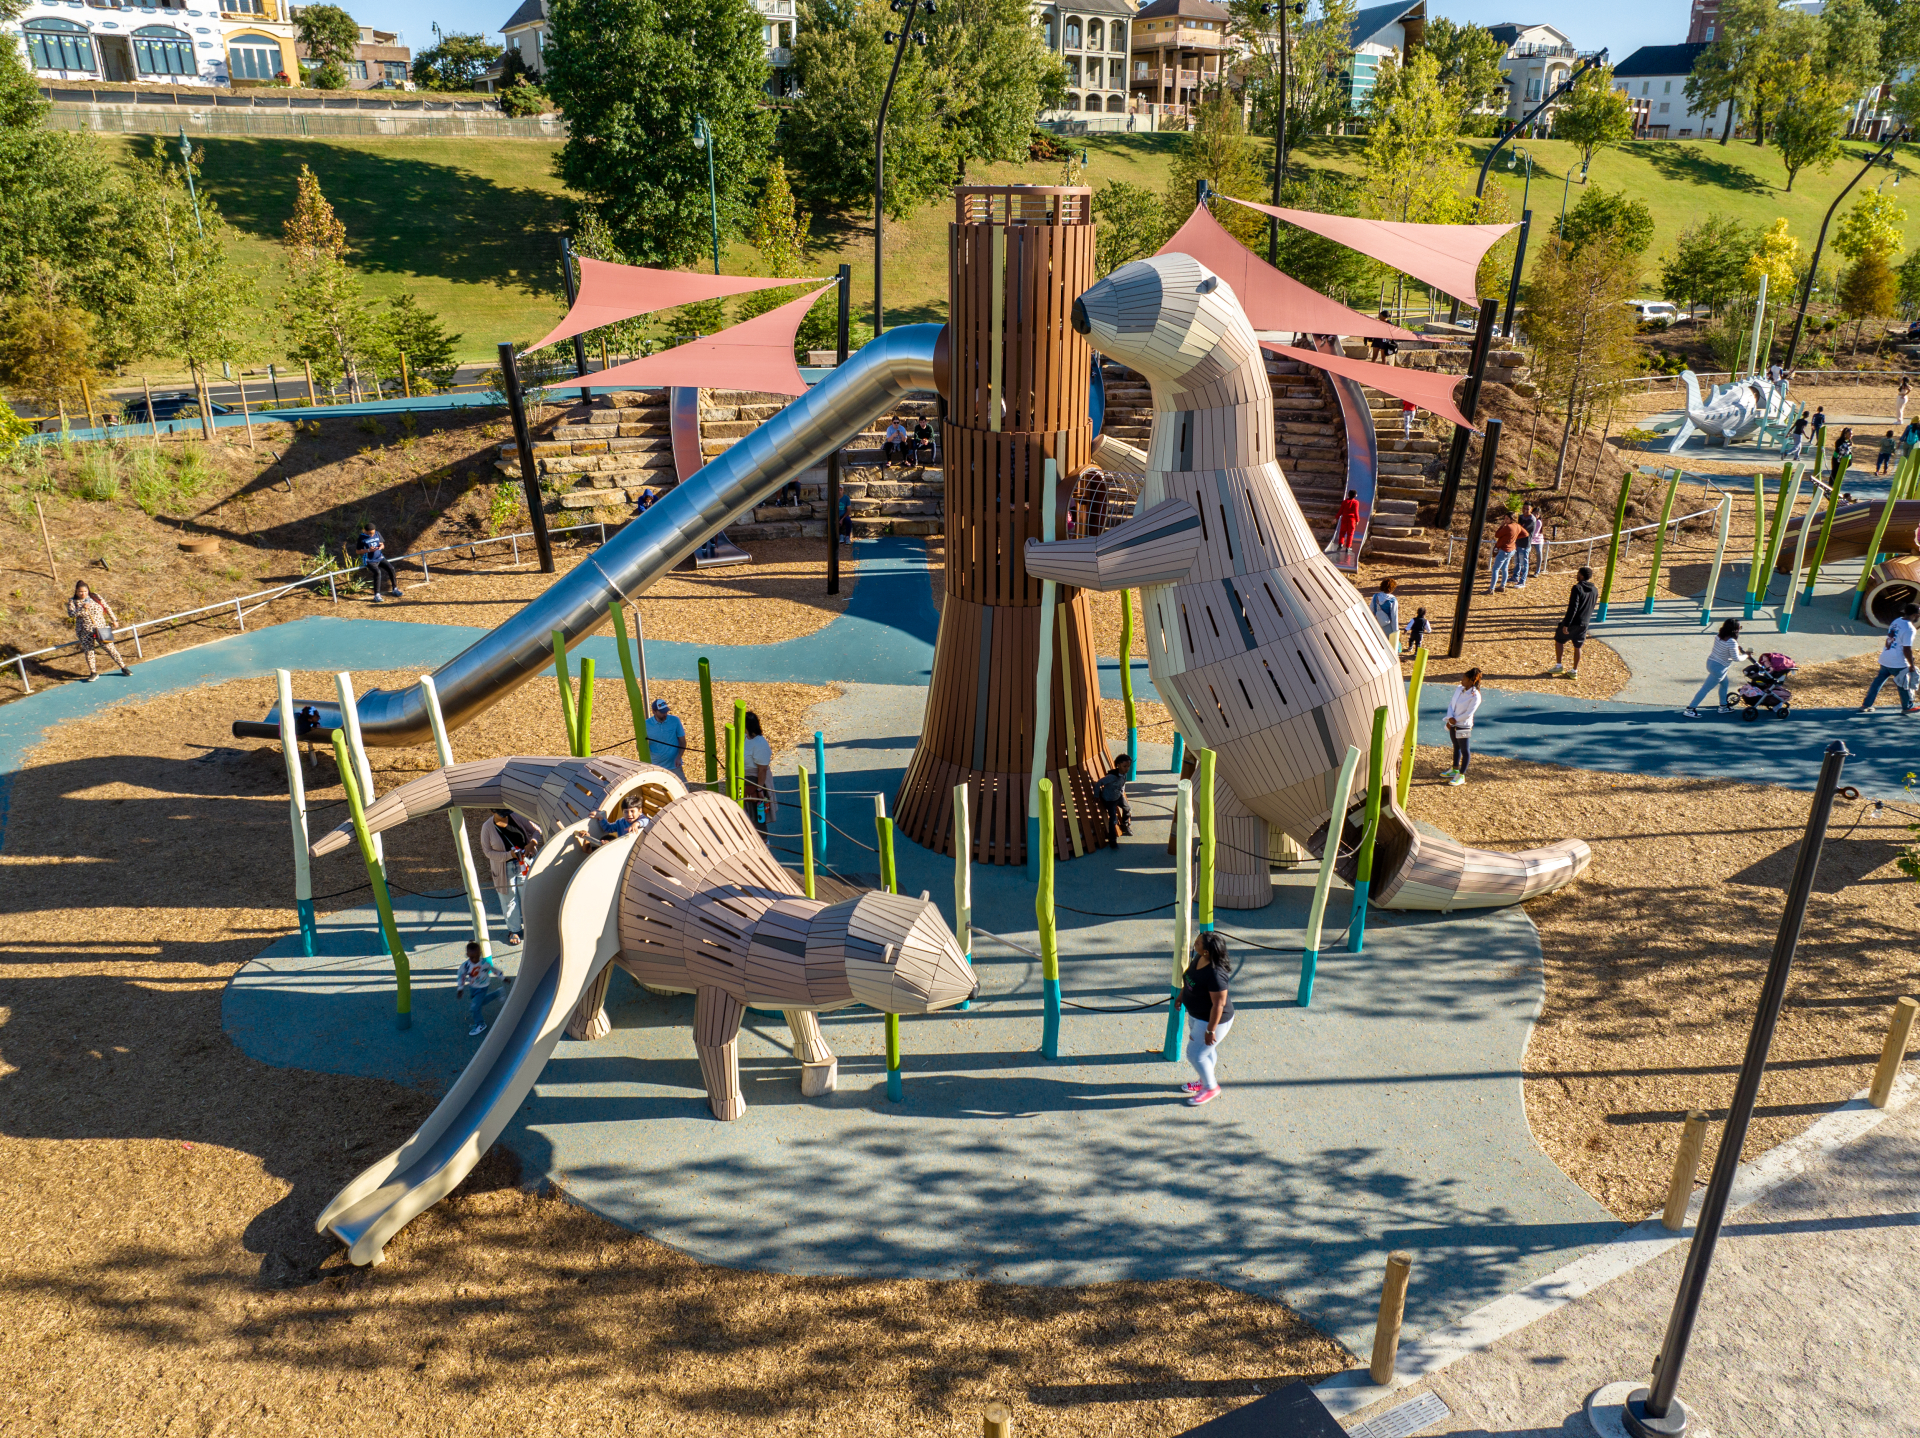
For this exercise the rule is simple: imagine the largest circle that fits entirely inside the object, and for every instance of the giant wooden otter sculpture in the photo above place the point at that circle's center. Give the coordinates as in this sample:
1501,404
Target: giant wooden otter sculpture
1261,649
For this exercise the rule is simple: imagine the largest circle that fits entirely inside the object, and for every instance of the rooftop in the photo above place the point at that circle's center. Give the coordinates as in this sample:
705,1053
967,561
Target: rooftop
1659,60
1186,9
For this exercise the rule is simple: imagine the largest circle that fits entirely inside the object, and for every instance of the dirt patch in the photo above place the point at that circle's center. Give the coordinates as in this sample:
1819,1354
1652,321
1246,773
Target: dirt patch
1654,958
157,1188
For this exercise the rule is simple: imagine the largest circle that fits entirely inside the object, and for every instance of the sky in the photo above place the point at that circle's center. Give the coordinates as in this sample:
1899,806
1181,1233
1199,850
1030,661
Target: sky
1623,25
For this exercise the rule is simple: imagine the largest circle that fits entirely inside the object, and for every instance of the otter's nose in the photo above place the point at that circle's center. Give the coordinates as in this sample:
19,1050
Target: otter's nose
974,992
1081,323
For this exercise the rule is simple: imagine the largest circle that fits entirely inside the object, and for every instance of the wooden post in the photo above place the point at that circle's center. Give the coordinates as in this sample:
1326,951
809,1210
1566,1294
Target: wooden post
1126,684
456,820
53,570
806,831
1049,942
1393,1309
1363,867
583,712
153,421
1719,557
1005,451
1893,1052
1660,542
1404,780
713,758
996,1421
565,681
1203,813
377,876
246,410
86,393
297,817
1759,539
1686,1163
313,400
406,379
963,877
636,693
1329,852
350,722
820,768
1613,545
1182,910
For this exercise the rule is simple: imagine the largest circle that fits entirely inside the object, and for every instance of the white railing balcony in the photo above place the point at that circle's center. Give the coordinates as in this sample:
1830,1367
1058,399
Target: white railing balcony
779,57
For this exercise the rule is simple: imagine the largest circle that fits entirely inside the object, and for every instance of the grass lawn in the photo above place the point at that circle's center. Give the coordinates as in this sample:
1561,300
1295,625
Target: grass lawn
471,226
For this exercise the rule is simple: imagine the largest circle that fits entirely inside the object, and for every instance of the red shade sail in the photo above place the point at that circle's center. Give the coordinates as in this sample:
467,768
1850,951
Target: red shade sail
1444,256
1272,300
755,355
610,293
1423,388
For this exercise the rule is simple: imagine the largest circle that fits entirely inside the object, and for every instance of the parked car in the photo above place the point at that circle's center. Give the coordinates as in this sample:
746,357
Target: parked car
1654,312
179,404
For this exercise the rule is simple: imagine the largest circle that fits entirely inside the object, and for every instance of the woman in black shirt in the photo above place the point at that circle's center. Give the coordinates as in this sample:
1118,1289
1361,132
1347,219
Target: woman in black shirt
1209,1013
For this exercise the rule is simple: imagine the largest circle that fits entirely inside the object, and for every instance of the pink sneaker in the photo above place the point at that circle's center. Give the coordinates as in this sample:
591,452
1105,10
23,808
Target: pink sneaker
1205,1095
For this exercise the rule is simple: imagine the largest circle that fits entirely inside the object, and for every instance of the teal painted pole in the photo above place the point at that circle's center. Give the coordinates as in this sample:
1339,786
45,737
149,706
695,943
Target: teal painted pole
1179,752
1820,549
1182,910
1872,556
1660,542
1759,539
1719,557
297,816
1126,684
1203,812
820,768
636,702
1363,869
895,1090
890,881
806,833
1049,939
1317,914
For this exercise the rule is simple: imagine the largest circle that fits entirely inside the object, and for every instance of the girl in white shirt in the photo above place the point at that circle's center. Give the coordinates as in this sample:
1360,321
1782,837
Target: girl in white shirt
1466,701
762,806
1722,659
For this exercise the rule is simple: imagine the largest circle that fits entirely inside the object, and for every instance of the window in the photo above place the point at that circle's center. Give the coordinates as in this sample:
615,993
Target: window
163,50
1116,79
1669,89
1073,73
1115,105
243,7
1663,107
1073,34
253,57
1646,87
356,69
1073,101
59,45
394,71
1117,35
1096,35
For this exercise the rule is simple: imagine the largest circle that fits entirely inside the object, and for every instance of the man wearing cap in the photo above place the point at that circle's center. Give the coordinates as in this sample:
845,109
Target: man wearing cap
666,738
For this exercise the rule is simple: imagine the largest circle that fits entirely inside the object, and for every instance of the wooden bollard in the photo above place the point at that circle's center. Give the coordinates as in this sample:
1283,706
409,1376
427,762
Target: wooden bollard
1686,1163
996,1421
1393,1308
1893,1052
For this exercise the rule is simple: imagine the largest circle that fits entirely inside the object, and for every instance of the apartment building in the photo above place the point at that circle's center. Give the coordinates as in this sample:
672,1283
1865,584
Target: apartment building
1093,38
1180,50
122,41
1654,80
1536,59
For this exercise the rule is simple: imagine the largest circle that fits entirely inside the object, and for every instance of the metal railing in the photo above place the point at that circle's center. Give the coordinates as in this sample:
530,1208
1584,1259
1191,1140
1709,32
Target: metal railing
1626,536
245,604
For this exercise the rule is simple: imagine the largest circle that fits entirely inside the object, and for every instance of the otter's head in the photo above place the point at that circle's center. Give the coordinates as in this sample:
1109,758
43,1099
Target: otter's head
1170,318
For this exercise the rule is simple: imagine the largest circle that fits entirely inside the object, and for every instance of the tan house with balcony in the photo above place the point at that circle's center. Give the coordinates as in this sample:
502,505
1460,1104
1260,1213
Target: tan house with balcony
1180,50
378,62
1536,60
1093,39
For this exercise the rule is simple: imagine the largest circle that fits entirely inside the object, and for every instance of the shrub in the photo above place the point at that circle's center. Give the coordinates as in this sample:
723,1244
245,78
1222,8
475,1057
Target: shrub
99,475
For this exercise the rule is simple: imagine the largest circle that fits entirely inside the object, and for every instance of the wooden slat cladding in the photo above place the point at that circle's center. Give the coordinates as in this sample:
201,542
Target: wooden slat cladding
980,707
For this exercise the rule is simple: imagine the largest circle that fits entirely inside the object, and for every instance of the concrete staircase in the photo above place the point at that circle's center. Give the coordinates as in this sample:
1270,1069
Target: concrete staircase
1409,478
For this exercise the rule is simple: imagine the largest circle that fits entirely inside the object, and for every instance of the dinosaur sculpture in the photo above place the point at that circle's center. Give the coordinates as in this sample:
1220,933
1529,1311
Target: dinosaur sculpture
691,903
1262,650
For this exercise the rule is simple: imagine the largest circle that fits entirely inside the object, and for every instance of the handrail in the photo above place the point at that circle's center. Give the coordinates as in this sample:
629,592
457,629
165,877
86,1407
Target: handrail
267,596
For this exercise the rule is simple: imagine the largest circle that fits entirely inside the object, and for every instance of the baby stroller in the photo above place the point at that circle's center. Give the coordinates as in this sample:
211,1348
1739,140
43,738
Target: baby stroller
1766,686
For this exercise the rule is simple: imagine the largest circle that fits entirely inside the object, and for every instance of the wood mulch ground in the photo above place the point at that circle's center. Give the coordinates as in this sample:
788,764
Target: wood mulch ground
1654,958
1843,683
157,1188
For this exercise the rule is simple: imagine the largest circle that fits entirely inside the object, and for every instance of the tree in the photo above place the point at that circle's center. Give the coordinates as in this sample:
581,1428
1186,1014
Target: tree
455,62
1593,114
407,329
1322,264
1850,43
1908,293
1708,262
1216,148
331,36
1776,257
991,74
1412,156
1582,329
1867,289
840,64
1318,54
1899,39
1808,122
1875,222
47,347
1720,71
780,235
326,318
1129,224
1607,215
632,75
1469,60
1790,45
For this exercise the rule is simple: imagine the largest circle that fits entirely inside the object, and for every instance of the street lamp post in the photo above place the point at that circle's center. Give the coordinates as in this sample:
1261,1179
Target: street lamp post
908,8
1813,265
1565,186
186,159
1298,7
703,140
1526,228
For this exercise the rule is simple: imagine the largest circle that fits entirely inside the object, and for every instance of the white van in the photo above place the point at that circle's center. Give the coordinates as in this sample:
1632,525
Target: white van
1654,312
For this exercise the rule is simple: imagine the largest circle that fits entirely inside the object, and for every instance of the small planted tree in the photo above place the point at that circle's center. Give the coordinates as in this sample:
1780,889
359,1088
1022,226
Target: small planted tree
780,235
1582,330
1607,215
330,36
47,347
1593,115
1216,149
1708,262
325,315
456,62
1809,119
1867,289
1129,224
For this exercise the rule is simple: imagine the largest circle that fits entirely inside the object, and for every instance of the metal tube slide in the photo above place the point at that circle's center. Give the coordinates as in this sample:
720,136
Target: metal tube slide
872,381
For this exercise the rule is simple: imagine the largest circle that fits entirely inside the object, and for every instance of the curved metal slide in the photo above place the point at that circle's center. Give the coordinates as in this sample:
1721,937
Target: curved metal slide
572,932
872,381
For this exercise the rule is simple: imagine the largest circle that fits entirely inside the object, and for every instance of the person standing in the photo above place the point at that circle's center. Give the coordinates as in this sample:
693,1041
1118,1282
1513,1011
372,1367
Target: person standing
846,517
762,802
1819,419
1842,450
1721,659
509,842
1583,602
373,558
1529,523
1385,605
1408,409
1906,393
1896,663
1460,711
477,973
1506,539
666,738
93,625
1910,436
1884,458
1112,794
1203,994
1796,440
1417,631
1344,533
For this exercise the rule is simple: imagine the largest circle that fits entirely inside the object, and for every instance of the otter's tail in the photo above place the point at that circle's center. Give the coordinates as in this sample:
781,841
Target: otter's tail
1416,870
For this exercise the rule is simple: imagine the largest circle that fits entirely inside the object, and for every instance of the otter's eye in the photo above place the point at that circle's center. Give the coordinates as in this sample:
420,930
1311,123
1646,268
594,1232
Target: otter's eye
1206,286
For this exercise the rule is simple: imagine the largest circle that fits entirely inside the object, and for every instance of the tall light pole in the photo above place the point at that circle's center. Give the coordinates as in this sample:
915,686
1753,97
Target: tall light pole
703,140
1526,226
908,8
186,159
1806,291
1565,186
1298,7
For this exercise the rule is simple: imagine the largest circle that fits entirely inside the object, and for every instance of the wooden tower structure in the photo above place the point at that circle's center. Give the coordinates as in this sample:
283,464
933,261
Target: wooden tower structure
1015,385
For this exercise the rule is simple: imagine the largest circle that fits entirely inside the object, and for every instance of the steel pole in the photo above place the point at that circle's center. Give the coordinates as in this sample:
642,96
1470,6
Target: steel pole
845,294
1519,259
1476,530
523,440
880,167
579,343
1813,265
1469,402
1655,1411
